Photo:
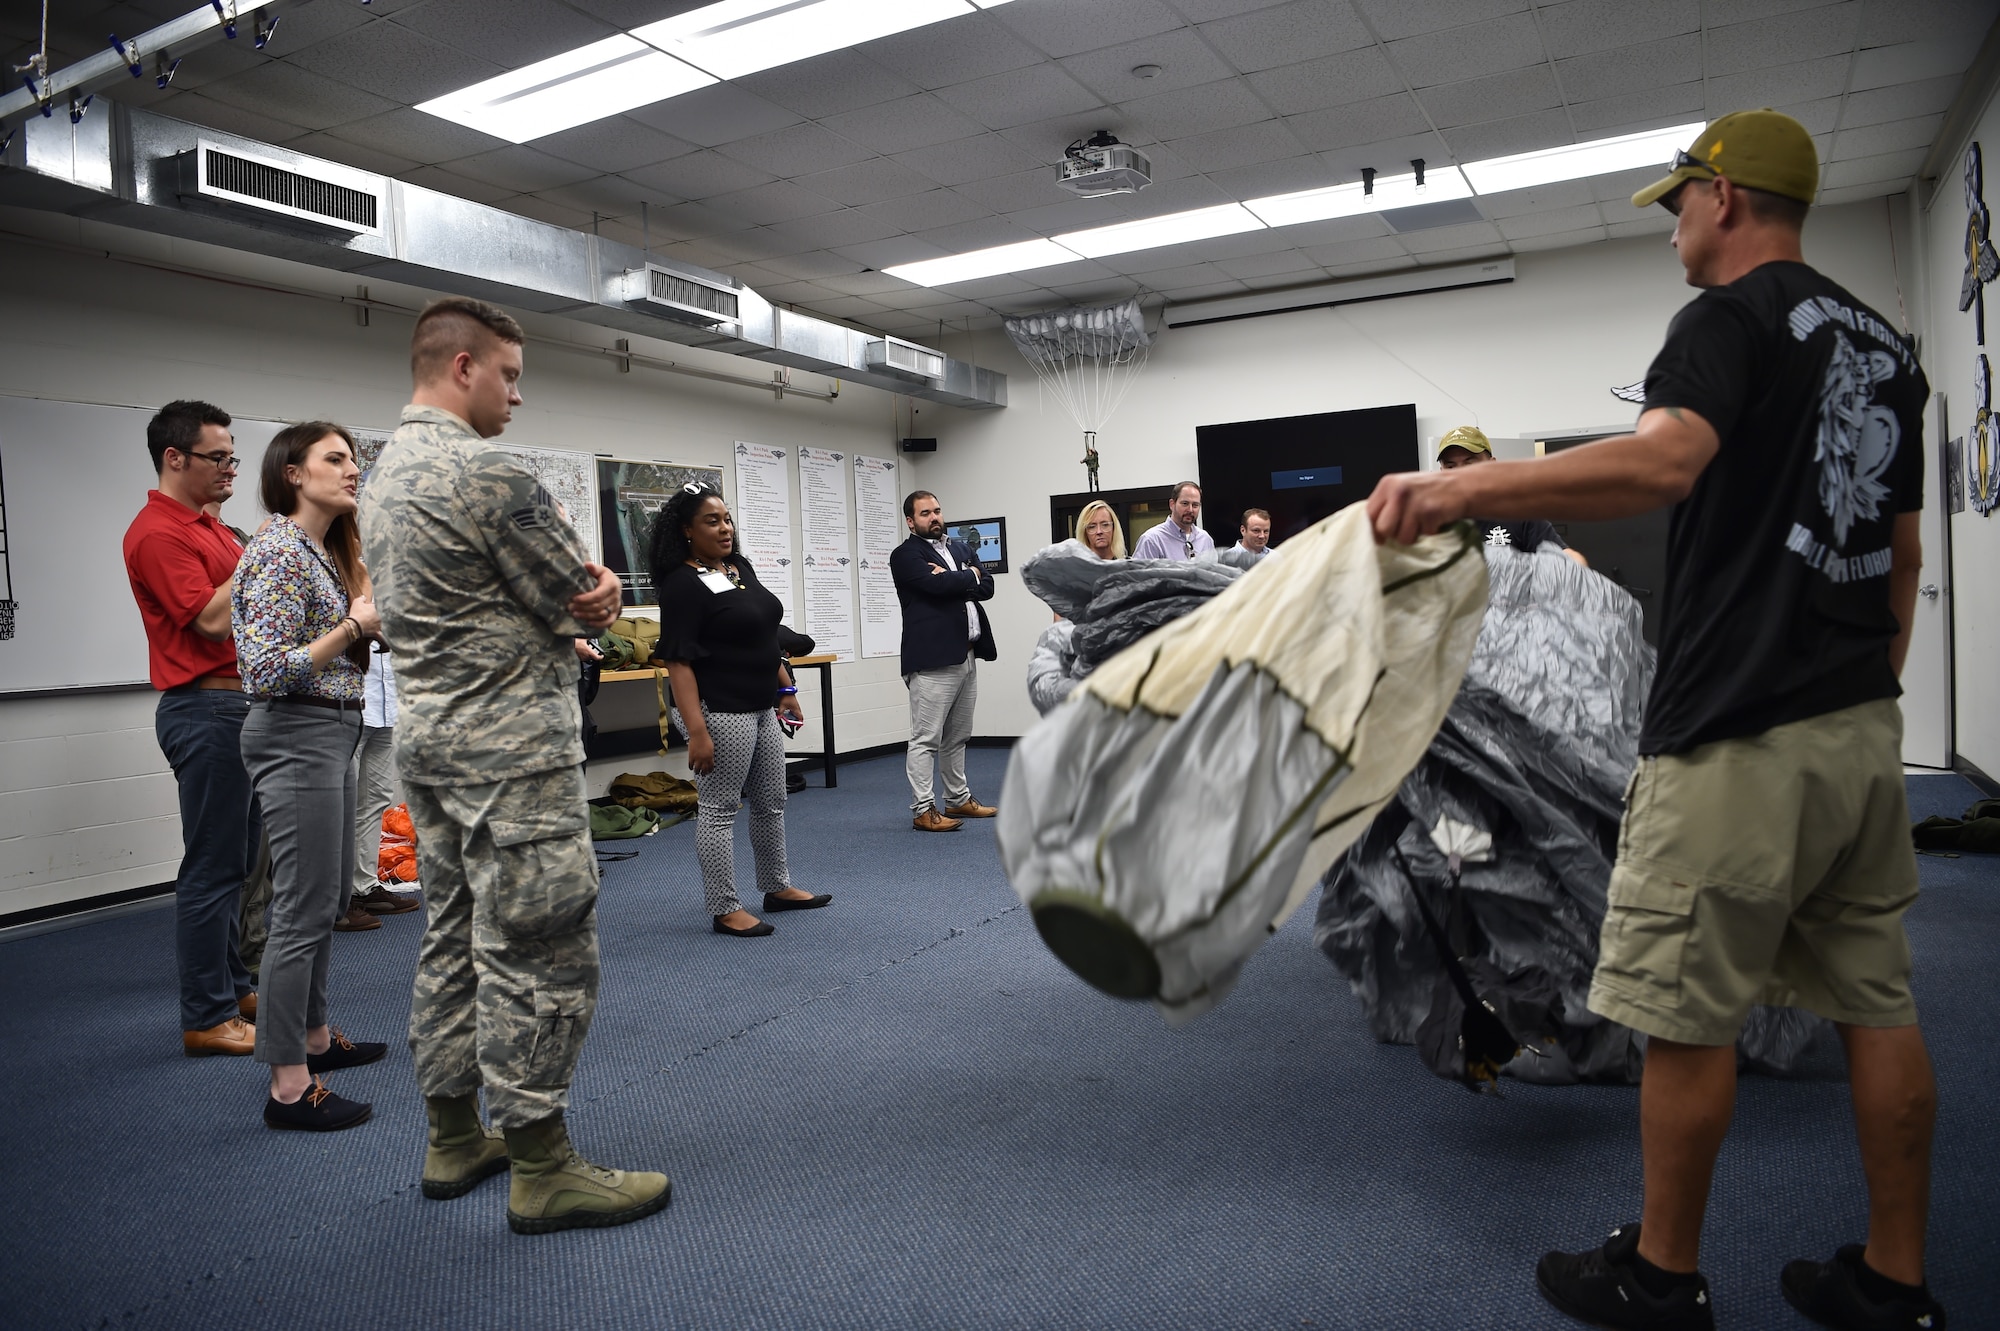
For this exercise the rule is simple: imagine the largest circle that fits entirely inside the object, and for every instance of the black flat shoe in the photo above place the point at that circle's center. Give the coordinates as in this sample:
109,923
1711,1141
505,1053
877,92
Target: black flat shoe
757,930
774,902
318,1110
344,1053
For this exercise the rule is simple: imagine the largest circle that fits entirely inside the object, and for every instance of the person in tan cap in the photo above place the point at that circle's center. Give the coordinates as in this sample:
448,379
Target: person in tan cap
1765,854
1467,445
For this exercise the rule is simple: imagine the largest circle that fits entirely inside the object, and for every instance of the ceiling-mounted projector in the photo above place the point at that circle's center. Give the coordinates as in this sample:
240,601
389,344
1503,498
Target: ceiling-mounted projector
1101,165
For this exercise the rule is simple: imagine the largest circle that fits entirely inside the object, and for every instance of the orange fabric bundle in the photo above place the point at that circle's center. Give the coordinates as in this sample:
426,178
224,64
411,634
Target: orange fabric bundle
398,860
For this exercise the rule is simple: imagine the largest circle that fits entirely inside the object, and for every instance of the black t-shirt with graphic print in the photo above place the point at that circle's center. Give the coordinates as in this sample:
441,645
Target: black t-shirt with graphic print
1527,537
1777,594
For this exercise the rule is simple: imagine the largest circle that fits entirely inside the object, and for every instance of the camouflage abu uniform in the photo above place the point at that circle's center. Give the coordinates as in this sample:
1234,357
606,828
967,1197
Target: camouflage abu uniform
474,568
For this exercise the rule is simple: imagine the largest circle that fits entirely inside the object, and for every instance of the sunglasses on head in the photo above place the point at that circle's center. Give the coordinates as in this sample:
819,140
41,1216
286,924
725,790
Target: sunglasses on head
697,488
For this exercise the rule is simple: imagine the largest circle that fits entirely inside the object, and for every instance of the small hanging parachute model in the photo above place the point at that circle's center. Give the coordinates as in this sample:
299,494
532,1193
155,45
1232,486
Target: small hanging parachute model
1087,355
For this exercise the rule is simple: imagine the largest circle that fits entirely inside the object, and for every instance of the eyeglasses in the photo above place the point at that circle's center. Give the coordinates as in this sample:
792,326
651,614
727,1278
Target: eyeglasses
220,461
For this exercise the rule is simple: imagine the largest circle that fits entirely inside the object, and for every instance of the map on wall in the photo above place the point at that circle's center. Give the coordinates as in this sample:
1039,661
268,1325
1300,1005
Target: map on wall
568,476
629,494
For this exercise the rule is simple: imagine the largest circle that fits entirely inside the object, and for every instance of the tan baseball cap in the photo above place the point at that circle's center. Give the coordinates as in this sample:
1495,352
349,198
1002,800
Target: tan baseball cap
1468,437
1765,150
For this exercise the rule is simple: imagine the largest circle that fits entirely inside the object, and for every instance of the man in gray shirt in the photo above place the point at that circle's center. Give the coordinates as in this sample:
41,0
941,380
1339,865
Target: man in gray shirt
1180,536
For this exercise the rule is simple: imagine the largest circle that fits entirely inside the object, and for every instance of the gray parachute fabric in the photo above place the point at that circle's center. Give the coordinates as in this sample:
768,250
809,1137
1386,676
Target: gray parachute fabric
1303,694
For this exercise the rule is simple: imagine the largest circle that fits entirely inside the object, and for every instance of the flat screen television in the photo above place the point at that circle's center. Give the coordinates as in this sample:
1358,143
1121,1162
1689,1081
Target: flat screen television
1300,469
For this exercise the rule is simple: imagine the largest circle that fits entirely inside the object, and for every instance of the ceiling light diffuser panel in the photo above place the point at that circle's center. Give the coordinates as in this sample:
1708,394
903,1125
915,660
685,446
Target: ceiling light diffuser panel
738,37
1600,157
1173,229
953,268
1317,205
571,89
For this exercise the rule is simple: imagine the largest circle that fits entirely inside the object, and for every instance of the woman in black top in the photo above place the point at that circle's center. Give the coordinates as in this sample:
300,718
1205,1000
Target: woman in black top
719,639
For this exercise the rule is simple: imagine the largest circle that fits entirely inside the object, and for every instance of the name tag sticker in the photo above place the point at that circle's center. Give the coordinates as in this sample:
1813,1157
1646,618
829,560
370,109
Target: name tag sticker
716,581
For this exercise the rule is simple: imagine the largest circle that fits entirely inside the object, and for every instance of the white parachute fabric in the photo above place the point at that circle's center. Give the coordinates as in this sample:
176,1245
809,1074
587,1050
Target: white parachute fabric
1085,355
1193,788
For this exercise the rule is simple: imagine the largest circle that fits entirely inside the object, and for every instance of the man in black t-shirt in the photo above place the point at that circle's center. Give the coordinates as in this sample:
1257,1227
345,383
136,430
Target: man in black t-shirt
1765,853
1466,446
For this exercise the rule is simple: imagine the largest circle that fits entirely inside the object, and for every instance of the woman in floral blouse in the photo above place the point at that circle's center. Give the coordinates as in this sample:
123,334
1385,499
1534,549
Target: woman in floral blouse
303,618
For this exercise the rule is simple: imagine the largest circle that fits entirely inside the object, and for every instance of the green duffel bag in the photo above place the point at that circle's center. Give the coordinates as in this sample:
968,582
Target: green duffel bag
629,643
615,822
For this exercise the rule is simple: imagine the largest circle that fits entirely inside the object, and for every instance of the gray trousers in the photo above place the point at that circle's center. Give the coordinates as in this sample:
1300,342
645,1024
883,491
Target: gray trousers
375,793
941,705
749,769
301,760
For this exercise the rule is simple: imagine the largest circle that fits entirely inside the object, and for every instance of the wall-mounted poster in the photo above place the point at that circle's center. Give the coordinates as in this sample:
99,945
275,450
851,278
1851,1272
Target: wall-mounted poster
878,529
828,564
764,521
985,537
629,493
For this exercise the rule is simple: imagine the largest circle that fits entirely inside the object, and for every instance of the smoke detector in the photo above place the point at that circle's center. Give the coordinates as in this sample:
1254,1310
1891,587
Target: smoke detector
1101,165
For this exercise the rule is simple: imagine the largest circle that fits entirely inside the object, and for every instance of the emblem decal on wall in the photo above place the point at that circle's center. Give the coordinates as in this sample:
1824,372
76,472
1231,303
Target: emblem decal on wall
1631,392
1982,261
1982,468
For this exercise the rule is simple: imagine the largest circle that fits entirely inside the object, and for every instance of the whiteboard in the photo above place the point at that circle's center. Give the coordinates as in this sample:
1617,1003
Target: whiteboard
75,474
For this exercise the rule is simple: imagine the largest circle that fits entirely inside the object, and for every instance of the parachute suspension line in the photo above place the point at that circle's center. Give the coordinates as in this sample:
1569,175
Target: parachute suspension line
1086,357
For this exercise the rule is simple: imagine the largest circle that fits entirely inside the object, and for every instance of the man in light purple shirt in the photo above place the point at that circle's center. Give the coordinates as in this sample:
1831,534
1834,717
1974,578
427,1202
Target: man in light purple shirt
1180,536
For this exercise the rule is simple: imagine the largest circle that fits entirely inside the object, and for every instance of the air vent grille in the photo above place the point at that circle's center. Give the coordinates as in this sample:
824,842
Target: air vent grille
289,189
905,358
673,287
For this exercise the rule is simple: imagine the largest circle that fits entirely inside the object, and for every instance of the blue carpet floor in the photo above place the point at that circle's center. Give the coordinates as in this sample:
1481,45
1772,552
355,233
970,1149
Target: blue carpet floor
901,1112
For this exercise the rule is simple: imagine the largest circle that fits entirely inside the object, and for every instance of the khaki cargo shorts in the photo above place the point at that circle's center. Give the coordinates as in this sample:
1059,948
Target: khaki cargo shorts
1770,869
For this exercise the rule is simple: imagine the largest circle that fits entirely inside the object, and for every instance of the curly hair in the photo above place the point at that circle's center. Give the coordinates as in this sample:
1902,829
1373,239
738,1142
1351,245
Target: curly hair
668,547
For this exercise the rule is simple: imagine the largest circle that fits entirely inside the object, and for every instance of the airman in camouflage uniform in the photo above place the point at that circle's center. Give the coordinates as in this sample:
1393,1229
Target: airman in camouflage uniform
483,586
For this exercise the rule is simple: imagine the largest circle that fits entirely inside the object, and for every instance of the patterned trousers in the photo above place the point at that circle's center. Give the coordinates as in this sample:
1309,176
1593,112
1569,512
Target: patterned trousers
507,974
749,768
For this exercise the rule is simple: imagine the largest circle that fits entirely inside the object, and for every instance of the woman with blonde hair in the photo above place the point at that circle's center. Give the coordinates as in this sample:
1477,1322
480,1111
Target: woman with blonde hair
1097,527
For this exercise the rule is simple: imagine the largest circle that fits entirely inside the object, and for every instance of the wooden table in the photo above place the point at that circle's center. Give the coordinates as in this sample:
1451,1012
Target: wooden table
824,661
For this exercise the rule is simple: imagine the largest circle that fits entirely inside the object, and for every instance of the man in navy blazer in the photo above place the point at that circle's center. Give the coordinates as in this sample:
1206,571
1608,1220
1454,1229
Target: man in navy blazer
945,636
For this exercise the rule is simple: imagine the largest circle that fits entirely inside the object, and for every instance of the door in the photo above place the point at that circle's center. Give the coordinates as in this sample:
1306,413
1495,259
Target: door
1927,679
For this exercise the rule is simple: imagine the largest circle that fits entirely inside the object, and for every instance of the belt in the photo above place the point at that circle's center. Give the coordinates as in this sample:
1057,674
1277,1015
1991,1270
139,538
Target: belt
216,683
333,704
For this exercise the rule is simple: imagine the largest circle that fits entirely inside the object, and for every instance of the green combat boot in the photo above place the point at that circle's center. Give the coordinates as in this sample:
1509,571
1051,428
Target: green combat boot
554,1188
462,1152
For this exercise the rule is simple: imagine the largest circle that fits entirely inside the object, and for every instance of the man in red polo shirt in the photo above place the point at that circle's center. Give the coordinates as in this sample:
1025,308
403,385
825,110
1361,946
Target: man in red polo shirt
181,562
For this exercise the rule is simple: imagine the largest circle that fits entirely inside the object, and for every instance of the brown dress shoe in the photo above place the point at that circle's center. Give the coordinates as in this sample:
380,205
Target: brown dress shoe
247,1007
234,1036
930,820
379,900
971,809
355,921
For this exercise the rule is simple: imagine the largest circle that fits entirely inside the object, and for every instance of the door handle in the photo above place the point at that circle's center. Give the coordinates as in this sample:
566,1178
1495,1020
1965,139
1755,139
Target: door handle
1928,591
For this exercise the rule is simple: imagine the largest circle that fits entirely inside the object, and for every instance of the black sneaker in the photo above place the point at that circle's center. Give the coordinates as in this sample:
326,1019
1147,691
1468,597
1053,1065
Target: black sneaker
318,1110
1830,1294
344,1053
1601,1287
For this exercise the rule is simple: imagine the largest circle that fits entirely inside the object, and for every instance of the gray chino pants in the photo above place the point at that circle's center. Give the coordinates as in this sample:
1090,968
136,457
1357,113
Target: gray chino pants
941,706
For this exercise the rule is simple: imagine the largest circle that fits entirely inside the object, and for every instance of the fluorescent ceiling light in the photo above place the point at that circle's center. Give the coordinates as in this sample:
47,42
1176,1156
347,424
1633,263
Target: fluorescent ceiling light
1600,157
1172,229
574,88
1316,205
954,268
738,37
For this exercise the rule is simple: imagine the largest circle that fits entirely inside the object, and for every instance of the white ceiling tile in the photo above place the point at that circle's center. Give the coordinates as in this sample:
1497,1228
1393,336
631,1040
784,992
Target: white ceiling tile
615,143
779,201
1540,199
1407,18
903,124
1063,213
303,25
1775,85
880,285
1855,193
545,210
411,133
849,308
296,97
1364,269
462,187
1470,52
920,212
867,182
1818,116
1284,176
1495,97
1063,27
1646,224
1964,21
1618,188
981,157
1334,231
609,196
1018,97
797,293
1173,197
1184,60
1280,263
521,168
1580,27
1203,290
1311,85
1460,254
1784,40
509,33
1881,66
1285,281
698,175
1900,102
978,234
1266,141
956,51
1722,13
1368,249
833,230
1891,168
219,61
351,154
720,113
817,266
1631,68
1502,138
1633,111
1034,188
796,150
1167,279
1451,237
828,84
1361,122
1391,157
1286,34
1559,240
1044,140
395,62
1178,114
1542,224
